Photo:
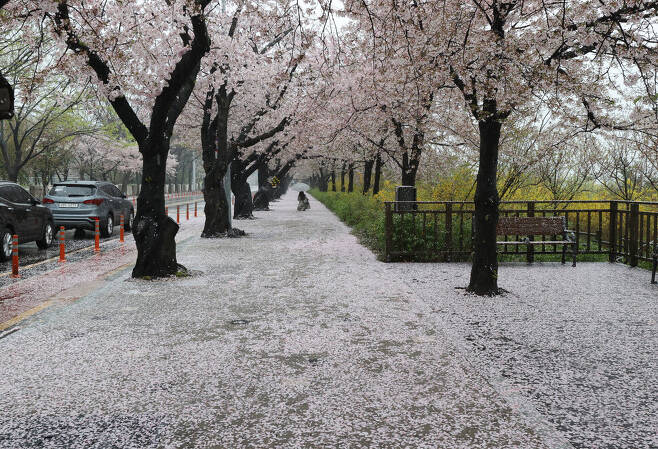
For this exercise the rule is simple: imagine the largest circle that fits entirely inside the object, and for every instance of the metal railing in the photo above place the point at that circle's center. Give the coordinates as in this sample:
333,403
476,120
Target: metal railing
442,230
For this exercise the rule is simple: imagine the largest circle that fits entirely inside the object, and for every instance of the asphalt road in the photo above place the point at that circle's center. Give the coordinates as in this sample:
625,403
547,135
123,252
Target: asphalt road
34,261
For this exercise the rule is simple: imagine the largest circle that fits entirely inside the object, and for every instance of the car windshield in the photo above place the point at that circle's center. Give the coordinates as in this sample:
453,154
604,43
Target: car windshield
72,190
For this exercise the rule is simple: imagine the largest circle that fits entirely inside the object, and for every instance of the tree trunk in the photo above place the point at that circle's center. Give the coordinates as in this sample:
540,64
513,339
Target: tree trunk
484,272
263,174
333,179
216,156
350,180
216,209
244,206
378,174
154,231
323,180
12,174
264,195
124,182
342,178
284,178
409,170
367,175
284,185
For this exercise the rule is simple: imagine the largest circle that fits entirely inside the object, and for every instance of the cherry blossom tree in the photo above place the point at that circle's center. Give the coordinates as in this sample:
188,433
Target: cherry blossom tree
145,57
499,55
245,98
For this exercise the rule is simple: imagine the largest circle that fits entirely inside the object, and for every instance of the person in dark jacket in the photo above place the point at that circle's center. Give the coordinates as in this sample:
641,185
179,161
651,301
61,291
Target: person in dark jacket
303,203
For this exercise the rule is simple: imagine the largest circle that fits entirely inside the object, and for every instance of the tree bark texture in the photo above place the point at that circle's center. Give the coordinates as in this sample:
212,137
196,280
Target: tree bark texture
350,179
409,170
262,197
484,272
342,178
244,206
216,208
154,231
367,175
378,174
216,157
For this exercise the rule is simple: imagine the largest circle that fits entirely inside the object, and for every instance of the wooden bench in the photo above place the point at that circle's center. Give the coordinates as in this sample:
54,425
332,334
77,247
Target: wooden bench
531,226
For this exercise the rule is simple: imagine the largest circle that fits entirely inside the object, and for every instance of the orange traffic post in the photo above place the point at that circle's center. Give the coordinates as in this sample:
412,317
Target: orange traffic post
97,237
62,245
177,214
166,211
14,259
195,208
187,211
121,230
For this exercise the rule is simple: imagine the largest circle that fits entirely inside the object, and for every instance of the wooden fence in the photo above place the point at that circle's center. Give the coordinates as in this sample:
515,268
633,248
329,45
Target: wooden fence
441,231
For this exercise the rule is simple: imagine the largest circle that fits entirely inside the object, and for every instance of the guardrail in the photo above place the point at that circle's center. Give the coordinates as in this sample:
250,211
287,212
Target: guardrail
442,230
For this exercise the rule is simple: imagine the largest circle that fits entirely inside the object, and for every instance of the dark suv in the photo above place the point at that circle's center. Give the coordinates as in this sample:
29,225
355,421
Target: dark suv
78,204
22,214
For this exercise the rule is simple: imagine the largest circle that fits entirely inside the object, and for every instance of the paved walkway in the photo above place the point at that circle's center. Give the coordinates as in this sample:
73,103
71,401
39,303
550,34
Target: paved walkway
579,345
292,337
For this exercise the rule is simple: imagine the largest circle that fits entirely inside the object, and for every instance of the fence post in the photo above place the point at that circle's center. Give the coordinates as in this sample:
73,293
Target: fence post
634,226
97,236
448,232
62,245
121,229
613,230
530,255
388,225
14,257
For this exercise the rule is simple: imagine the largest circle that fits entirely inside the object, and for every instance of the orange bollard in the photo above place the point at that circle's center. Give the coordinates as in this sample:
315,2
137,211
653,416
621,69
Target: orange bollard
14,259
195,208
187,211
166,211
177,214
121,230
62,245
97,237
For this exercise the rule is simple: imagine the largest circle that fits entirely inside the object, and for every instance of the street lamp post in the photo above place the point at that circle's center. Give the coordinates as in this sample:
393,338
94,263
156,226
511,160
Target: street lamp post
6,99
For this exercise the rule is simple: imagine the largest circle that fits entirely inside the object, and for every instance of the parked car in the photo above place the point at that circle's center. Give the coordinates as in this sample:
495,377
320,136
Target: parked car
78,204
22,214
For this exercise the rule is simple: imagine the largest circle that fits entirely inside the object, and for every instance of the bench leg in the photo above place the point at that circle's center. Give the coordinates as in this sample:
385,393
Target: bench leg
564,254
575,254
653,271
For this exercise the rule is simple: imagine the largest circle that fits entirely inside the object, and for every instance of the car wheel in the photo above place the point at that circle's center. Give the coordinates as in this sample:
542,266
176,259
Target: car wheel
129,223
108,229
5,245
46,236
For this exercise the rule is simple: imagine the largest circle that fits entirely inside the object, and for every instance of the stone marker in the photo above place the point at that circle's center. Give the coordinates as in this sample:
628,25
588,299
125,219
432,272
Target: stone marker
405,193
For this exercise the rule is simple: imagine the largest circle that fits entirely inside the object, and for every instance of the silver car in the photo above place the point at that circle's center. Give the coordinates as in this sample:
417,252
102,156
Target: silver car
78,204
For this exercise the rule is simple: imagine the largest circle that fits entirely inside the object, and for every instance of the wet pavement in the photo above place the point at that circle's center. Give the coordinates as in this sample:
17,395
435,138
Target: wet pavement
579,344
42,283
34,261
295,336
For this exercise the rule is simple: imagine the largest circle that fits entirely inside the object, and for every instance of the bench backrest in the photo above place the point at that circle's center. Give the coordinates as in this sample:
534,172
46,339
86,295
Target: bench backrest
531,226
